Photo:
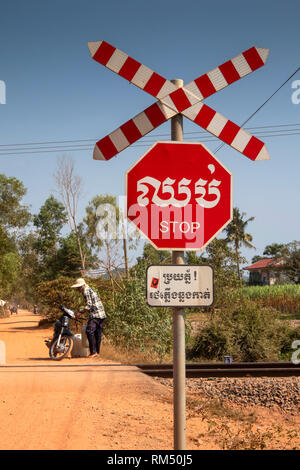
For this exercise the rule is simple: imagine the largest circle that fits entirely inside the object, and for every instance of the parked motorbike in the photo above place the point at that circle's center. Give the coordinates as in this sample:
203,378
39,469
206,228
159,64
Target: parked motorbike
62,341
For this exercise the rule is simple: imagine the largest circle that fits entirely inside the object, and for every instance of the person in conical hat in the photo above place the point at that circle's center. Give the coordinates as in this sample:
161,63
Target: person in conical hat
96,315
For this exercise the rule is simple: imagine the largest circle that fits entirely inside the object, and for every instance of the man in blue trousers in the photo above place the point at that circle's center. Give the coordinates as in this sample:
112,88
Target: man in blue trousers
95,309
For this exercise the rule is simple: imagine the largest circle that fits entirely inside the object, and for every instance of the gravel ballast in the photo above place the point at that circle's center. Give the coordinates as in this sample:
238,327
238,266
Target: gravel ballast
263,391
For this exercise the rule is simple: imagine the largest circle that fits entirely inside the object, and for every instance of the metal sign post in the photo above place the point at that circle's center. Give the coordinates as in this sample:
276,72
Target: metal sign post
179,400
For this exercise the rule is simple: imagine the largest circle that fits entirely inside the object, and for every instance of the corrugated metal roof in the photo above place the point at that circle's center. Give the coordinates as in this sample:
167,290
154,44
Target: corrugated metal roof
264,263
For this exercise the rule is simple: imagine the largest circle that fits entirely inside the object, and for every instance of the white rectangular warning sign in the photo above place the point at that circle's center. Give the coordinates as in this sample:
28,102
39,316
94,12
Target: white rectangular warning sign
179,286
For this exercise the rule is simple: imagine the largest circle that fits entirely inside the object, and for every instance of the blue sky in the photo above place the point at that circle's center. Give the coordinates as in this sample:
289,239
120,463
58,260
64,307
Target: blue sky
55,92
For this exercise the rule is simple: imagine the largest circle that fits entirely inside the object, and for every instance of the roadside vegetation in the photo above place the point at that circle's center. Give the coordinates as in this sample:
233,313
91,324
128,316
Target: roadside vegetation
42,253
284,298
132,327
246,331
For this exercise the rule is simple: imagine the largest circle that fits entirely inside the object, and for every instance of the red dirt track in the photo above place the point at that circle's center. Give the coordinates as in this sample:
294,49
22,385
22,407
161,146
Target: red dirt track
94,404
49,405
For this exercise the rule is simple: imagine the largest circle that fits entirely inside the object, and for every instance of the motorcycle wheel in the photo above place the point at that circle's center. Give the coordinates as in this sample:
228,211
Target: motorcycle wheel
59,352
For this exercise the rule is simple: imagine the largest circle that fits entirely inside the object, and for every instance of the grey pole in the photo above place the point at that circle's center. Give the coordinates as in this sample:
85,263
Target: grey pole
178,328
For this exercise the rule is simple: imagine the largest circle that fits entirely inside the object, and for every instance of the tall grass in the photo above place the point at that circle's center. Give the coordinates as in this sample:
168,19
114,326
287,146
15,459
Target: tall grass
285,298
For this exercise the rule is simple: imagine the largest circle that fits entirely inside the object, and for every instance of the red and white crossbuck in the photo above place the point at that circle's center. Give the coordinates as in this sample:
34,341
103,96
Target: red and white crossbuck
173,100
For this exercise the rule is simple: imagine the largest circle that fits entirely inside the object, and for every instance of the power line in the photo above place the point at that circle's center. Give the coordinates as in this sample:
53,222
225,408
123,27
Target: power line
215,139
47,151
50,142
258,109
145,144
90,147
153,136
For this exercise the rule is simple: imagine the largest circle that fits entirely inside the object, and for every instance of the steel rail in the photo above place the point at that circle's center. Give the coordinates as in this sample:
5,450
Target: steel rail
238,369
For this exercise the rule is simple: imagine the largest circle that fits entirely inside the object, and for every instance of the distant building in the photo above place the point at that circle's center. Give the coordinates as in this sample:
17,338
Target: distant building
267,271
93,273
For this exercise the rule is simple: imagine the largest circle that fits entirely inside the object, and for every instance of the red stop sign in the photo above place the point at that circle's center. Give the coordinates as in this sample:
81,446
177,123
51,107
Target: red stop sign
179,195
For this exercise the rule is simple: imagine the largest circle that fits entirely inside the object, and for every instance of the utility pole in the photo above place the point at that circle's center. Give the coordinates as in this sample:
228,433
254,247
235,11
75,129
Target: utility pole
179,399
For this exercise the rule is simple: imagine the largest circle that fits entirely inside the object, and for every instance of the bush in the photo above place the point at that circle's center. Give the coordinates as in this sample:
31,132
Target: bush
4,312
244,331
133,325
47,293
291,335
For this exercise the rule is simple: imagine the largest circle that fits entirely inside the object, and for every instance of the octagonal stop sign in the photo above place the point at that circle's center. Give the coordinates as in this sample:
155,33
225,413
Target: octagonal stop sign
179,195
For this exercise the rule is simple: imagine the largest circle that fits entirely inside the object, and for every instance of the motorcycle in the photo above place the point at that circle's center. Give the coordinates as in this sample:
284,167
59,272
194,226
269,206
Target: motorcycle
62,341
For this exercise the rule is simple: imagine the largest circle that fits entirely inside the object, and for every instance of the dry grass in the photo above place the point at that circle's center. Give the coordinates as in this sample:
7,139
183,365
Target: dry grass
113,353
236,428
215,408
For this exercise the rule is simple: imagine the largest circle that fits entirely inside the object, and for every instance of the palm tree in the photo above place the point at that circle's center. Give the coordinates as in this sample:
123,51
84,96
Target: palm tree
237,236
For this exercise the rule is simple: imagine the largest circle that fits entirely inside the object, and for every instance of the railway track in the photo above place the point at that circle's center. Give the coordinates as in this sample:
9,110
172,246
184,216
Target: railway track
193,370
235,369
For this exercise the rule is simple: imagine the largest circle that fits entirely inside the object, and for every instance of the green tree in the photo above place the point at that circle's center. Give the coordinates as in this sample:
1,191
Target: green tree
68,259
257,258
191,257
292,261
7,242
101,208
236,234
275,250
221,257
105,231
49,222
102,224
30,271
14,216
152,256
10,265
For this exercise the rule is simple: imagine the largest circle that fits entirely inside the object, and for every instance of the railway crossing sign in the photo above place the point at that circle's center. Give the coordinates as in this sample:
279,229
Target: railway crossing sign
179,195
173,100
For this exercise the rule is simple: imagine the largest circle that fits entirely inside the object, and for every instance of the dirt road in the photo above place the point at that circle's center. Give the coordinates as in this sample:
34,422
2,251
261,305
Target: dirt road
79,403
94,404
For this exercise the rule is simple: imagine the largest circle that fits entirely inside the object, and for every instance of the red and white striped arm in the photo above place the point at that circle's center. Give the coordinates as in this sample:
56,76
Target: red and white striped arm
227,131
159,87
130,69
132,130
182,102
175,100
229,72
218,125
201,114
